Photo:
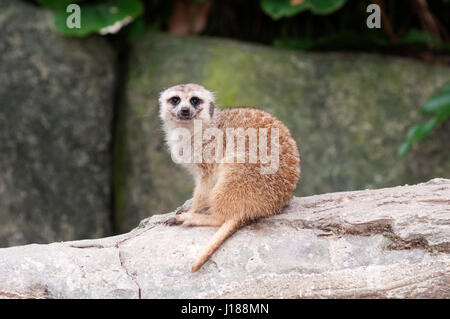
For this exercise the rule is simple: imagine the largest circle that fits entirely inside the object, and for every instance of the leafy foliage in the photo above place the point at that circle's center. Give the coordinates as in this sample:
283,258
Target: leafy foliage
94,16
359,41
420,37
308,24
287,8
439,106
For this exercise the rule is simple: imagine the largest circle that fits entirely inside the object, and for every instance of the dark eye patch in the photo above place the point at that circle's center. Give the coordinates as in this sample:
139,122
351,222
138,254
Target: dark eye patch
174,100
195,101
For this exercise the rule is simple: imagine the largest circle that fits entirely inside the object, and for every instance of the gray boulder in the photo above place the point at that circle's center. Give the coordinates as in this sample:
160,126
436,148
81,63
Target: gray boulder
348,113
56,98
385,243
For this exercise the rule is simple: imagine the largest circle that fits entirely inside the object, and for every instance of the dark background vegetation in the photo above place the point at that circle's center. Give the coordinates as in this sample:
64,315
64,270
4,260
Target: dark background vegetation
407,26
418,29
411,27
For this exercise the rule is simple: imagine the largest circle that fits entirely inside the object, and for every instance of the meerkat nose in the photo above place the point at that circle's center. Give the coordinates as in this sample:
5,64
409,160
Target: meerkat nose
185,111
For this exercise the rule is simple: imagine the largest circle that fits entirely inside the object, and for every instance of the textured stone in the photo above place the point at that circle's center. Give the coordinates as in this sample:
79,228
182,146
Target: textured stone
386,243
348,113
55,129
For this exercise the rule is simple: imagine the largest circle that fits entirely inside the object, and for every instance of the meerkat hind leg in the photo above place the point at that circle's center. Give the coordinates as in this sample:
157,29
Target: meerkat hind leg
200,200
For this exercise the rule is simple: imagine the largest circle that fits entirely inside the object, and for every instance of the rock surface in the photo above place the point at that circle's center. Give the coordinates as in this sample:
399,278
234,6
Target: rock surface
348,113
386,243
56,100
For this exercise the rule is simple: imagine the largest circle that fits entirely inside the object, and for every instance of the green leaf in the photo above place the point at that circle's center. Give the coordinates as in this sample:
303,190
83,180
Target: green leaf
419,131
326,6
438,103
404,148
296,44
95,17
283,8
416,36
420,37
414,133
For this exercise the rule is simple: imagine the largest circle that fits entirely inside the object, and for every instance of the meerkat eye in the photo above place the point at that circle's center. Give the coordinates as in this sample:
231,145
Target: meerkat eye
174,100
195,101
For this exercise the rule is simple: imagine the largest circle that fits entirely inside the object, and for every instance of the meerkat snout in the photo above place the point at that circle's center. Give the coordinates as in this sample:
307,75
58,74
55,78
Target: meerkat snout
185,113
232,188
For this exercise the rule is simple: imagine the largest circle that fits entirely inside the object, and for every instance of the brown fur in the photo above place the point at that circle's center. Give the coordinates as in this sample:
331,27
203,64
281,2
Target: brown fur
235,194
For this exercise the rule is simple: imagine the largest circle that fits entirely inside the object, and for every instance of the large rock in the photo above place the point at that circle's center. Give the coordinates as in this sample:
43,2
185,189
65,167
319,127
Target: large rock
55,130
386,243
348,113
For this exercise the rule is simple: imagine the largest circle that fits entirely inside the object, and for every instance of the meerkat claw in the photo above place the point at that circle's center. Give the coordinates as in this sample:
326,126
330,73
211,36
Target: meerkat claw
172,222
182,210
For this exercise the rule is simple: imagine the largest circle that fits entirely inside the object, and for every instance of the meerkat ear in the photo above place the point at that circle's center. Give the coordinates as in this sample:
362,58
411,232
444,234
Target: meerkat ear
211,109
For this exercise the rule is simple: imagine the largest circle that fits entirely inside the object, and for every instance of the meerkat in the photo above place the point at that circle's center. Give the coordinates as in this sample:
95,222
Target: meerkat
228,193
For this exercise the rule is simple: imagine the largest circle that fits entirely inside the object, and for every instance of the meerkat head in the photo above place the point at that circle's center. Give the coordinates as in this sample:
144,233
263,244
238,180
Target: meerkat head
184,103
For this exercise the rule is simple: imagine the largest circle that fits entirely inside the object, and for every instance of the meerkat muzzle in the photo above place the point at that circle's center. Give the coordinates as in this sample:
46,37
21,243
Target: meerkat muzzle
184,113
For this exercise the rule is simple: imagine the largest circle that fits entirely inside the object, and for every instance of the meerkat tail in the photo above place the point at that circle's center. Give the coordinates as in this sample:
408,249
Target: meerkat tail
226,230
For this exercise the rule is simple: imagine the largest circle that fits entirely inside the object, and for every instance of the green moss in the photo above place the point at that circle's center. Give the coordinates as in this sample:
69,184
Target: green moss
220,75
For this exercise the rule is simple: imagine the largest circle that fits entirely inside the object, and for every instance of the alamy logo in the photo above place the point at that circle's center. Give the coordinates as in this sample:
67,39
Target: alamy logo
374,19
74,19
207,146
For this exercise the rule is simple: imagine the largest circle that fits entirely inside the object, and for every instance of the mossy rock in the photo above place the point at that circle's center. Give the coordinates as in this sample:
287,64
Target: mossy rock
348,113
55,130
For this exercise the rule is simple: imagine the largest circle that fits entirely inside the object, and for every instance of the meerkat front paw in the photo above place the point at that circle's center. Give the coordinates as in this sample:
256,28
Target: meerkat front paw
173,222
178,219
